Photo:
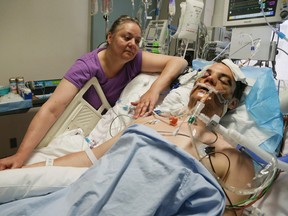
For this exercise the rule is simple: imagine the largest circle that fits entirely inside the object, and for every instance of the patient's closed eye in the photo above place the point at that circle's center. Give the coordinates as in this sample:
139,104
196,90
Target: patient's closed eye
225,80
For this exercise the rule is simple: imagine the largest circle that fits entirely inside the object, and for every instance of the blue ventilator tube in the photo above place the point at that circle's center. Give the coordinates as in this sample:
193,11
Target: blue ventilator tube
283,158
281,35
260,160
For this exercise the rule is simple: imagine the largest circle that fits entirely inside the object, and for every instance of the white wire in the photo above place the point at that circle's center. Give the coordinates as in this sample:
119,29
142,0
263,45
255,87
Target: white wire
264,16
185,50
222,52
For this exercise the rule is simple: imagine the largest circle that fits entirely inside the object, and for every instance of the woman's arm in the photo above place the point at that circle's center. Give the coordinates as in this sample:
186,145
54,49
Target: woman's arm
41,123
169,67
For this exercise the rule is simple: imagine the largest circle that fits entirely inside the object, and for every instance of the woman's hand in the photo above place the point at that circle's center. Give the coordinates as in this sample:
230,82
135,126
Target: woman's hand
146,104
169,67
12,162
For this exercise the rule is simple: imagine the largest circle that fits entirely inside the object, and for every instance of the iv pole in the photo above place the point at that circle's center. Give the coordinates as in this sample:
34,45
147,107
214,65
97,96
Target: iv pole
106,10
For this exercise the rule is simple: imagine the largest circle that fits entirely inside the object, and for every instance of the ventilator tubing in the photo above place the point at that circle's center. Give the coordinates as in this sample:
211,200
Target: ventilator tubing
235,138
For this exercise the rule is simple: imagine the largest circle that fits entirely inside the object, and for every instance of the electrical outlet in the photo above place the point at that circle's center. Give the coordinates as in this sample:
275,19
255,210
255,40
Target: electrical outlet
13,143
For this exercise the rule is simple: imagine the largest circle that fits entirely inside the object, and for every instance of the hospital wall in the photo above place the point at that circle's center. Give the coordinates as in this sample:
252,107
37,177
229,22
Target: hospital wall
39,39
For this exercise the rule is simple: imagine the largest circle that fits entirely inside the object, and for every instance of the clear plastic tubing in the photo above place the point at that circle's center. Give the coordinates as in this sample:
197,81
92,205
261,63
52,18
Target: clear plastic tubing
236,138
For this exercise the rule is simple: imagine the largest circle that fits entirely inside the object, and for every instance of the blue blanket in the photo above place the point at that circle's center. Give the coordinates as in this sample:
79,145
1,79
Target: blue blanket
142,174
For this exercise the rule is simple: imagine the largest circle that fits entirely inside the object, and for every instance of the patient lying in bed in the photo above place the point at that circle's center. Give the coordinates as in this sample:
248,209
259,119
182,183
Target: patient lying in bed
159,174
142,174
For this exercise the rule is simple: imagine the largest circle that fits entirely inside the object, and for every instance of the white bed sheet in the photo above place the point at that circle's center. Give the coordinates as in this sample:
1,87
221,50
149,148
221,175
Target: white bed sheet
23,183
275,201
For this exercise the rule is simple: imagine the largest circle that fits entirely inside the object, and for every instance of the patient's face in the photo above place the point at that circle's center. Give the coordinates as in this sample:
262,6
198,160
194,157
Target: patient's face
220,77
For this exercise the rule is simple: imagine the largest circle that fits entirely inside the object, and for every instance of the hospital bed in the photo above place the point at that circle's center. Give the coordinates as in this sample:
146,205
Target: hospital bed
79,114
75,125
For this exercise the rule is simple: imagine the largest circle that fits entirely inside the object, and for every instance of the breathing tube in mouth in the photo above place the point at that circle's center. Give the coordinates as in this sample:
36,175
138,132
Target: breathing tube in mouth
211,89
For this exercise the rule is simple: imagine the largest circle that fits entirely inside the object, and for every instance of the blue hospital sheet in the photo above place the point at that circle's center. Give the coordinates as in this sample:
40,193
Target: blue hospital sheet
142,174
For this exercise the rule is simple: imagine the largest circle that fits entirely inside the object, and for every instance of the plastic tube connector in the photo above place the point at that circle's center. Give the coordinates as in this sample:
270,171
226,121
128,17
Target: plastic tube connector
196,111
281,35
199,106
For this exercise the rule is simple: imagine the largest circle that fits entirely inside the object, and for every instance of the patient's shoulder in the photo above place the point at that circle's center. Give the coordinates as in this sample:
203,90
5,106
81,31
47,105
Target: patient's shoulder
236,161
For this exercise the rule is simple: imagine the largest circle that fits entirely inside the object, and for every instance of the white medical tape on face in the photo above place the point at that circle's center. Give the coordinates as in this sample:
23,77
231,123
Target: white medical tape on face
237,74
236,71
49,162
91,156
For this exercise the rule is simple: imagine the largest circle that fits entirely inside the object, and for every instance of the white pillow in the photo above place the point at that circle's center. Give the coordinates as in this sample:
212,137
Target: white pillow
120,116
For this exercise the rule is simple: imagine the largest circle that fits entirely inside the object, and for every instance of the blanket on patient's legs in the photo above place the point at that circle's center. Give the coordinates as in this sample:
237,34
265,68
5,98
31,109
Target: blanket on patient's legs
142,174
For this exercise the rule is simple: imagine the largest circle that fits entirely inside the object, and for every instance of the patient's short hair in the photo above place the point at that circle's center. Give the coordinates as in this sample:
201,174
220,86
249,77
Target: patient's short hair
240,87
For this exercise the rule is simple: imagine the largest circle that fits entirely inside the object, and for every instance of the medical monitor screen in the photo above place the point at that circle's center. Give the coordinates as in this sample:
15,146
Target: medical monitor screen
248,12
151,33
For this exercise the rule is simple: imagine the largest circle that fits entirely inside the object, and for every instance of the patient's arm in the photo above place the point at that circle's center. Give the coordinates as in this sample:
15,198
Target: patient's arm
80,159
239,174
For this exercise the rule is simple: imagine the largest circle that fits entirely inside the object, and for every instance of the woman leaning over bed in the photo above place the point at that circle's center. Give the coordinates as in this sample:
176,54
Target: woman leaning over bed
114,67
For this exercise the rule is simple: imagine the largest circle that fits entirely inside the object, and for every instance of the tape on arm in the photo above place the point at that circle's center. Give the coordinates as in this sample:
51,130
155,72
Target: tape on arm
49,162
91,155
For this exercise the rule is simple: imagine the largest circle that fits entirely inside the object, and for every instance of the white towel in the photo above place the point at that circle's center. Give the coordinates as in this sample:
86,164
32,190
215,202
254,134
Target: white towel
237,73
